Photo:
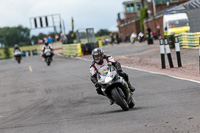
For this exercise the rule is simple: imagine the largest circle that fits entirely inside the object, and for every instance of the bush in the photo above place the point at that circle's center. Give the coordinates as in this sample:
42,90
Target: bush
7,52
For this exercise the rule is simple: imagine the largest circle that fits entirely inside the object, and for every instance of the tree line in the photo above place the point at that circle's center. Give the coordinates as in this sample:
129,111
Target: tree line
9,36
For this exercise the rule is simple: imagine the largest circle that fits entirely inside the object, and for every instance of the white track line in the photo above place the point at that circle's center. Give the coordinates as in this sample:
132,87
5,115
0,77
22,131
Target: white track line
195,81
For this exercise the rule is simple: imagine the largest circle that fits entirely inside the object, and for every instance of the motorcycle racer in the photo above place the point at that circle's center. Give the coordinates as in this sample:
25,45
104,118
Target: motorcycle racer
99,59
45,47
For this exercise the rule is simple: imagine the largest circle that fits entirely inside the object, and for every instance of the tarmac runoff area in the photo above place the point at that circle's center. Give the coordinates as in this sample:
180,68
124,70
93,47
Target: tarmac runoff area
36,98
145,57
153,72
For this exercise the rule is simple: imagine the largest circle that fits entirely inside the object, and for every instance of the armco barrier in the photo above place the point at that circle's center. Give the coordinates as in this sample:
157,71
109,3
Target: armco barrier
189,40
72,50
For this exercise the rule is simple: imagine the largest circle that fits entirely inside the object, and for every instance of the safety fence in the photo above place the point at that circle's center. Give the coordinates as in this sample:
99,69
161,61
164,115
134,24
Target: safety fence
189,40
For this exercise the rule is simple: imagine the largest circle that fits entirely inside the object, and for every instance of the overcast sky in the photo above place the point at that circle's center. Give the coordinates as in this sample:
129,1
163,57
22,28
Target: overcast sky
86,13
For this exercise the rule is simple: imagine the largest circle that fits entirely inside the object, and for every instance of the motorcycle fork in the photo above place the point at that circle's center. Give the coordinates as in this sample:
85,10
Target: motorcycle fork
109,97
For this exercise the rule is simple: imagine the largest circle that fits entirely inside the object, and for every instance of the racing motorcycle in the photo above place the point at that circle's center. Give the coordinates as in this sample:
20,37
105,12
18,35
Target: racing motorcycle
48,56
115,87
18,56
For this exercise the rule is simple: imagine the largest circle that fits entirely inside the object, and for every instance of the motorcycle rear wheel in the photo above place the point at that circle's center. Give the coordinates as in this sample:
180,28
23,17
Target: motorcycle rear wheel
132,103
18,60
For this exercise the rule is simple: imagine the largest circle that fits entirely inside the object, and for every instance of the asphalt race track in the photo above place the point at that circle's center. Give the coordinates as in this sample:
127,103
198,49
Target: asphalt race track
61,99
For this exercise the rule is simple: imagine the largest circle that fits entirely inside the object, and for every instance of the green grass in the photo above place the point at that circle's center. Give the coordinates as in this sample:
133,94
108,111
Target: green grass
101,38
4,58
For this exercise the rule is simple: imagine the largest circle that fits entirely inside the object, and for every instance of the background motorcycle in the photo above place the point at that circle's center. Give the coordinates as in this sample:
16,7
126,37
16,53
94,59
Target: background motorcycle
18,56
115,87
48,57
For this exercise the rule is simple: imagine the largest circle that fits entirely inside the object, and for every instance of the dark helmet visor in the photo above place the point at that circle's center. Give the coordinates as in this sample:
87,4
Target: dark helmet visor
97,57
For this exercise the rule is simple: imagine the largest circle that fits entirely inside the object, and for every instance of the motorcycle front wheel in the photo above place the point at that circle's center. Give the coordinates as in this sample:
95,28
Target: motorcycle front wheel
119,99
48,60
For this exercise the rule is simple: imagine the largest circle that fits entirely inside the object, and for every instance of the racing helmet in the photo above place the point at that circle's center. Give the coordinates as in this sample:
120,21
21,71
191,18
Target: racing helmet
97,55
16,46
46,43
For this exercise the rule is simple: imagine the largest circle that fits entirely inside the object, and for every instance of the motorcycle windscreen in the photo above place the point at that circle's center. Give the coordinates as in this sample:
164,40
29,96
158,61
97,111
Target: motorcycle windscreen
103,71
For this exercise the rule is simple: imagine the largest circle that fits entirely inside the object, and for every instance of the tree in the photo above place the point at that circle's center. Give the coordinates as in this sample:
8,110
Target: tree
15,35
34,39
143,15
102,32
41,35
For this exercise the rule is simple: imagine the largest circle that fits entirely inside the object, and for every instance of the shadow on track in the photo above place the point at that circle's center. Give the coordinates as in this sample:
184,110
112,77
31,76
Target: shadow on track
116,111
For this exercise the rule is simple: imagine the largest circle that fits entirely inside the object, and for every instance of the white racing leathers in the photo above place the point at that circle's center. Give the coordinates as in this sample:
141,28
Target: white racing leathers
106,60
95,67
46,47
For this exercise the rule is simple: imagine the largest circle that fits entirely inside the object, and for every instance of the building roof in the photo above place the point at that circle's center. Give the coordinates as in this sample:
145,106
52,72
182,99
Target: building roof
131,1
192,4
177,8
173,9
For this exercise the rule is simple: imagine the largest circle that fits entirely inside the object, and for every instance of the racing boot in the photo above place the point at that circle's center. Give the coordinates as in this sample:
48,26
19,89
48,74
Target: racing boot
132,89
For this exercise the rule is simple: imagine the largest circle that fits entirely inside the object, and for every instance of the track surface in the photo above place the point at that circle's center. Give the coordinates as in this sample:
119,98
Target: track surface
61,98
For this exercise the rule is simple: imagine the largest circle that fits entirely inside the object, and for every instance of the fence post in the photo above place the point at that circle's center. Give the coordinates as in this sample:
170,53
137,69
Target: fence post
168,53
178,55
162,53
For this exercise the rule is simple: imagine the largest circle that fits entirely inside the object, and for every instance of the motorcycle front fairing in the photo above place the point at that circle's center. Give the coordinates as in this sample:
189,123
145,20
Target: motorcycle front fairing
119,82
109,79
47,52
